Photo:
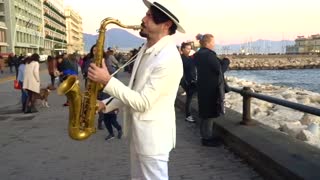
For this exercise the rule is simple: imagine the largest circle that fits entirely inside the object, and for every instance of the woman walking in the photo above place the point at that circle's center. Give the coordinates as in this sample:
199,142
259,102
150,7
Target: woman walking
31,81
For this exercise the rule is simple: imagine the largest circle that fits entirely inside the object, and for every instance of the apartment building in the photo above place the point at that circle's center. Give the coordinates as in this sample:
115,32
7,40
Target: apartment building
22,32
74,31
305,45
29,26
3,29
55,41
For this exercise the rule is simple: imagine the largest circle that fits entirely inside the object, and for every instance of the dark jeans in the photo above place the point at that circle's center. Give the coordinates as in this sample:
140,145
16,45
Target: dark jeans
53,78
17,70
100,119
189,94
30,103
110,119
11,66
101,96
207,128
24,96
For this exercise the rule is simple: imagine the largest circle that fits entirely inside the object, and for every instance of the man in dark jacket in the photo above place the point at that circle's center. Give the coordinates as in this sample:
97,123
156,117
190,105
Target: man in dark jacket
66,69
210,85
189,78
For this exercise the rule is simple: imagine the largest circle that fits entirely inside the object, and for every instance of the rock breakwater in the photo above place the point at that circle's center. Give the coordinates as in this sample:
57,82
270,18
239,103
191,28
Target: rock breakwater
297,124
274,62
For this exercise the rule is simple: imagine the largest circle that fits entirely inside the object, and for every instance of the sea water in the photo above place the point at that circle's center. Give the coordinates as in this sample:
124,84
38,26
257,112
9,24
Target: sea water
308,79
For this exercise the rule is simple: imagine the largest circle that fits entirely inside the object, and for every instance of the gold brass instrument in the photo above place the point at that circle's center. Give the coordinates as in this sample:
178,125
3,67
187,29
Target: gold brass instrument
82,107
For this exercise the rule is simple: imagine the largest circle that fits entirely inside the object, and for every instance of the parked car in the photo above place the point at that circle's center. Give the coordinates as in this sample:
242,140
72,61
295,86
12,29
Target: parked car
43,57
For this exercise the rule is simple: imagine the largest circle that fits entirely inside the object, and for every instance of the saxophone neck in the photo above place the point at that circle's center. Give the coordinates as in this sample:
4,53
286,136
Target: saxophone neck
110,20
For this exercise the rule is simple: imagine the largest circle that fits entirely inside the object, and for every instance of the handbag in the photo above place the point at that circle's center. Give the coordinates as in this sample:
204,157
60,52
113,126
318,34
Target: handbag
16,84
56,73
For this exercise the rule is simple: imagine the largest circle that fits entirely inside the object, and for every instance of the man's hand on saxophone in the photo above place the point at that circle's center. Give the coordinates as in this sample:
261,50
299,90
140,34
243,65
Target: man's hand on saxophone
99,75
101,106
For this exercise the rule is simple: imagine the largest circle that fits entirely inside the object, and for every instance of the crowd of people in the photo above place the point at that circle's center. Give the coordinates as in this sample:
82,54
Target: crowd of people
13,62
65,65
59,68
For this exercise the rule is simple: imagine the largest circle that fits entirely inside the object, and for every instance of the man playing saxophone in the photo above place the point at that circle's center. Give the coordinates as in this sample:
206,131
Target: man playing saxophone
148,101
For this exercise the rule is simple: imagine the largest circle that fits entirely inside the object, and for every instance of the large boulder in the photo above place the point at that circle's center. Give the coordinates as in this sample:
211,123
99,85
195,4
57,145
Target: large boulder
309,118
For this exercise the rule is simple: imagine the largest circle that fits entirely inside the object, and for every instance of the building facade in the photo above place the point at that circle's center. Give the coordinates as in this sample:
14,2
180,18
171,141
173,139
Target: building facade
305,45
74,32
55,41
23,26
3,29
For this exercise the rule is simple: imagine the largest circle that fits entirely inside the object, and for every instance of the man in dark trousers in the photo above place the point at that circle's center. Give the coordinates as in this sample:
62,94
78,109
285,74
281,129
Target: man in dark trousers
210,86
189,80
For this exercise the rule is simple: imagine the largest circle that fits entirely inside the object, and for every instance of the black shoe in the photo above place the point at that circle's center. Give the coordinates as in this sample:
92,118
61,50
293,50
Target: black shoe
120,134
109,137
215,142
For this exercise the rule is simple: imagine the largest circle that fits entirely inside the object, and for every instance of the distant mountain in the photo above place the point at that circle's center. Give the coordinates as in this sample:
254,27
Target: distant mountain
255,47
115,37
124,40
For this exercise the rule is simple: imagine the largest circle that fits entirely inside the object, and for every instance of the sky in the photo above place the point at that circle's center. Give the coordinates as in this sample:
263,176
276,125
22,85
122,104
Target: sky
230,21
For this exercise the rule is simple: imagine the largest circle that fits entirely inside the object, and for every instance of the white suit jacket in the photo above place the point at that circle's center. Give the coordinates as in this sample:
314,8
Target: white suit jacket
148,100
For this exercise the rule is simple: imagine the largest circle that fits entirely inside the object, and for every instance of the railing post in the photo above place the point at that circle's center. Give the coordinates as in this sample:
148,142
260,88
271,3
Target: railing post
246,110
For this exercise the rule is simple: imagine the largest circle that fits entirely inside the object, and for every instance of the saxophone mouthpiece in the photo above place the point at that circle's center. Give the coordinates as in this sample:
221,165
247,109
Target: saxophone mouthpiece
136,27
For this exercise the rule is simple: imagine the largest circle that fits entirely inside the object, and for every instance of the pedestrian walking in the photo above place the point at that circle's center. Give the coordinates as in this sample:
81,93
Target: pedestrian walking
31,82
10,62
52,70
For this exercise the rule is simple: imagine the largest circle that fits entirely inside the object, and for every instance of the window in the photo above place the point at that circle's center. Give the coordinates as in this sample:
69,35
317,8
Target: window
2,35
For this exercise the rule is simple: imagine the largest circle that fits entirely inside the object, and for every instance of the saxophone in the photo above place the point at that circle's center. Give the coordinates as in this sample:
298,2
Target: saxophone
83,107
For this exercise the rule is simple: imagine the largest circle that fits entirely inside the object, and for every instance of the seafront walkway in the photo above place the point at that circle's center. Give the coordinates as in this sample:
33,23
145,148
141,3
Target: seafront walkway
37,147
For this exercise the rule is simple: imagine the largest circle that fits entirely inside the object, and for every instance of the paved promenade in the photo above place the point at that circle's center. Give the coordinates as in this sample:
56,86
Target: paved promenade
37,147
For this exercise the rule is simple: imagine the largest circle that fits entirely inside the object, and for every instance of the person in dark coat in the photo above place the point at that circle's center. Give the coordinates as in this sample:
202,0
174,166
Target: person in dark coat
210,86
189,79
65,69
89,59
52,70
11,62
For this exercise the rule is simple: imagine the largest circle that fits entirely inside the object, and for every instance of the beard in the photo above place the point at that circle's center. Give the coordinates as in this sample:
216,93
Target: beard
143,34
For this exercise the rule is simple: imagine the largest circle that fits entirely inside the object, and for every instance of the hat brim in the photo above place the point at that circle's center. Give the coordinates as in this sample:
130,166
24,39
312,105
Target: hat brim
179,27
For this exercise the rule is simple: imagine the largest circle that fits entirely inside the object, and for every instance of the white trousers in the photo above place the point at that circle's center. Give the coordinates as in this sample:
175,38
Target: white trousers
148,167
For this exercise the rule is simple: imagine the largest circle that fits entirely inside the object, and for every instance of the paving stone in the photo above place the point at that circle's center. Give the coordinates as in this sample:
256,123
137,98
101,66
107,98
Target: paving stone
39,148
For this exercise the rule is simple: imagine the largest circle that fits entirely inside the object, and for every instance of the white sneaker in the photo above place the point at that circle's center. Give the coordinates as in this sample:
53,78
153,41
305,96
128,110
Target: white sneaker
183,94
190,119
